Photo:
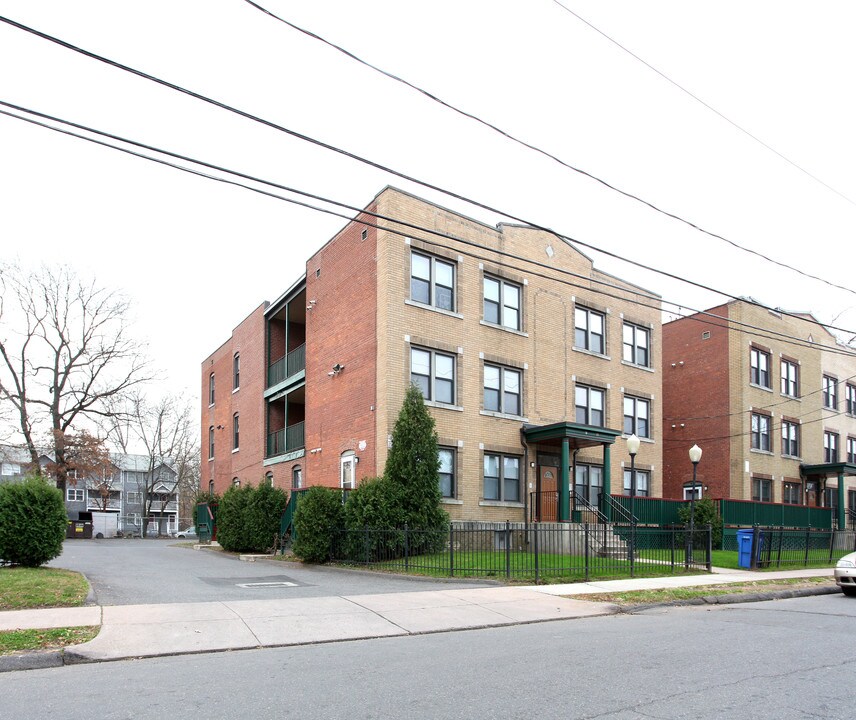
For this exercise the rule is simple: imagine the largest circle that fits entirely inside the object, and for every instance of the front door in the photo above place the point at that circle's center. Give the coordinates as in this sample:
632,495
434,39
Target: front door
811,493
546,509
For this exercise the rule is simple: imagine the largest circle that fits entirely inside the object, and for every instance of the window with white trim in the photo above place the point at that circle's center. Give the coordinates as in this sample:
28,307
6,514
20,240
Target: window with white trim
211,389
851,450
850,397
790,378
432,281
588,483
211,442
433,373
829,392
502,303
134,498
501,477
760,432
790,438
590,404
636,344
643,478
236,432
236,371
502,392
74,494
637,416
589,330
830,447
759,367
446,456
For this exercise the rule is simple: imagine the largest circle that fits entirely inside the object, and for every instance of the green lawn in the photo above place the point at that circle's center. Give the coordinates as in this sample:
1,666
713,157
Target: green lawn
22,588
817,558
12,641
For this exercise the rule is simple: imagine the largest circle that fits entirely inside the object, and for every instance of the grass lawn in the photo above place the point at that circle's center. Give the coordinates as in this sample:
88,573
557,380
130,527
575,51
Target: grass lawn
12,641
23,588
816,559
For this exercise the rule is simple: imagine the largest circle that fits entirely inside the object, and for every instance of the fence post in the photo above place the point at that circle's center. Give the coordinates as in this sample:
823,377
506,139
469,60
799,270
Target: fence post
586,532
781,542
406,549
709,547
807,543
451,550
756,546
537,530
632,545
831,544
507,549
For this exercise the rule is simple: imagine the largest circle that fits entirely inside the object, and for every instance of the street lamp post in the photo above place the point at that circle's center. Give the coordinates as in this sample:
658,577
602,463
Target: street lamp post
695,457
633,448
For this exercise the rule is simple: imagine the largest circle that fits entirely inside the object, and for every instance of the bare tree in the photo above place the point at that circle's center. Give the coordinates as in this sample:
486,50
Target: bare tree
65,352
166,432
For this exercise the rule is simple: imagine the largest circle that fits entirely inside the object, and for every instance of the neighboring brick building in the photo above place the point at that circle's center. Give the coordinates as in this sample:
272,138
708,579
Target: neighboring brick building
522,349
764,394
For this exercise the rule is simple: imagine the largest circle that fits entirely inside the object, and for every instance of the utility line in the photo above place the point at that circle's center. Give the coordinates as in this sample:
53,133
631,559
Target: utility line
374,164
545,153
708,106
713,321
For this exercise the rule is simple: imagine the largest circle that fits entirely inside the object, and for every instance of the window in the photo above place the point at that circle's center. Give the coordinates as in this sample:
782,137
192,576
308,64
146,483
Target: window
269,479
502,390
690,489
434,374
236,482
635,346
760,432
211,442
850,396
347,474
134,498
759,367
501,477
447,472
74,494
210,487
790,438
791,493
236,371
830,447
296,477
211,389
637,413
590,403
829,390
432,281
642,478
588,483
588,330
851,450
501,303
236,432
761,489
790,378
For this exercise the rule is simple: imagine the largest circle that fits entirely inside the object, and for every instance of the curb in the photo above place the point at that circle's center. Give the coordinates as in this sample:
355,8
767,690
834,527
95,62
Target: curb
36,660
733,599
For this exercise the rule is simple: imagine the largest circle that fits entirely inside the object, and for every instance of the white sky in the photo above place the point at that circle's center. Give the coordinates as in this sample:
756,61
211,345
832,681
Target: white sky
197,256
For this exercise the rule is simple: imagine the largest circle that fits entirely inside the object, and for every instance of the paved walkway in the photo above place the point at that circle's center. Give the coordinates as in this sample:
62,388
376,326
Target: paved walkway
130,631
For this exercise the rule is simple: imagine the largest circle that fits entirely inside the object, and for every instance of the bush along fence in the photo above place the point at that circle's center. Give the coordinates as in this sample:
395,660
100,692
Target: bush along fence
786,547
542,552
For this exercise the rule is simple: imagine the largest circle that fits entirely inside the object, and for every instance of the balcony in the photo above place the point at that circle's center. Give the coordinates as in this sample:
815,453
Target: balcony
287,366
285,440
95,504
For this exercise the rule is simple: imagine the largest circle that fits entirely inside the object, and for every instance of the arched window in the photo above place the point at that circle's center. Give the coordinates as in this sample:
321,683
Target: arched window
210,487
211,389
236,482
347,470
296,477
211,442
269,479
236,371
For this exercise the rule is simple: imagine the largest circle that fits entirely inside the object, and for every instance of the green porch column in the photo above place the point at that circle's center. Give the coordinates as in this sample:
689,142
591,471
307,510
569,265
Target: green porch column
842,523
607,481
564,484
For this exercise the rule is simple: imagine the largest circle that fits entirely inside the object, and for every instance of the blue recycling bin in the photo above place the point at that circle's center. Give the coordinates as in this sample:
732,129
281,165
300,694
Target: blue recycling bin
744,548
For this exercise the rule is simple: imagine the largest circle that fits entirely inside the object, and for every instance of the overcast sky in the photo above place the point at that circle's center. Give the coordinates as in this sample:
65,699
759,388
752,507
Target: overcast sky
197,256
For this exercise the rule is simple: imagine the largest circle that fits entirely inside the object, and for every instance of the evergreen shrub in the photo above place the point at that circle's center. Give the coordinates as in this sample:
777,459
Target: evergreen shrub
33,522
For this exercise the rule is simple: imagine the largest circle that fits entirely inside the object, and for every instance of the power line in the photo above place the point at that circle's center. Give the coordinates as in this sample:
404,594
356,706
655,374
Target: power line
372,163
705,104
713,319
563,163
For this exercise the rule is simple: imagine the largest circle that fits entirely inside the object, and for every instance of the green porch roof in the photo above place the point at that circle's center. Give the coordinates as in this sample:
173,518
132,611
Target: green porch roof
828,469
580,436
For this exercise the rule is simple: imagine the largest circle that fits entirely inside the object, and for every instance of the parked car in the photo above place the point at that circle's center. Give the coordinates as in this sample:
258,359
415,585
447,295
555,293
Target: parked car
191,533
845,574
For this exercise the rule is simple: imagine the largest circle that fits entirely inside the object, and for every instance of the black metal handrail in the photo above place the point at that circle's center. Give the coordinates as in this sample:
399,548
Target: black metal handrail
583,505
617,512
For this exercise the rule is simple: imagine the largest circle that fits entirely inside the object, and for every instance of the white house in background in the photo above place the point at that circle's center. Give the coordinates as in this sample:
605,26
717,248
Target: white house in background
123,492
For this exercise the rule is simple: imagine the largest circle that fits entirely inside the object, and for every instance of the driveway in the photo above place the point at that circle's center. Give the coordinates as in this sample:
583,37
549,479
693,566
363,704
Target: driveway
135,571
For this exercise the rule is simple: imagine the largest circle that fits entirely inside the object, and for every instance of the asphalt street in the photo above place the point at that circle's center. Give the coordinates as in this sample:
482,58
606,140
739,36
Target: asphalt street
135,571
780,659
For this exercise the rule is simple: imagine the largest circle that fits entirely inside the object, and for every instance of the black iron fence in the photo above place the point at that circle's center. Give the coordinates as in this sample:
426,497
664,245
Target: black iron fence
786,547
542,552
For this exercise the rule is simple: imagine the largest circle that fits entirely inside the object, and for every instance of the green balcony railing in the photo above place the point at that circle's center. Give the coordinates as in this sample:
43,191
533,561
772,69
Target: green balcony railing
285,440
287,365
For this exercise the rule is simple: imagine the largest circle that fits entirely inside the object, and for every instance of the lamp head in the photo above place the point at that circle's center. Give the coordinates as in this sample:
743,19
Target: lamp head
695,454
633,443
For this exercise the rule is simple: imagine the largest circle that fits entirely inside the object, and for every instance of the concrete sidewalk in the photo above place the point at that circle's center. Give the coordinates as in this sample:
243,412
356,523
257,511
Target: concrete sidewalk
133,631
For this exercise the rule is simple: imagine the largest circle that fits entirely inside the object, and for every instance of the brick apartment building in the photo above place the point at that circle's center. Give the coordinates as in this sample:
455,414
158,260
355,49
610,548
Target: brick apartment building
770,398
525,353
